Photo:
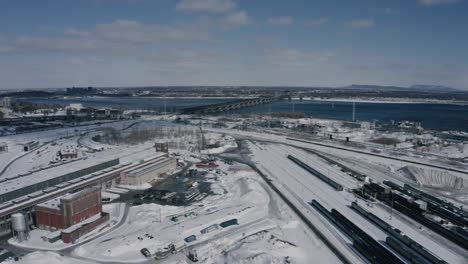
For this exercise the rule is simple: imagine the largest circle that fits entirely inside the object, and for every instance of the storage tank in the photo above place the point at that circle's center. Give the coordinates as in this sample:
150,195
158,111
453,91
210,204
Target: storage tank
17,222
20,230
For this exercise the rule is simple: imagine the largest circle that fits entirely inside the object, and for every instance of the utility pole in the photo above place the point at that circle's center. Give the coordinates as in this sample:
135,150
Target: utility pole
202,137
165,106
269,112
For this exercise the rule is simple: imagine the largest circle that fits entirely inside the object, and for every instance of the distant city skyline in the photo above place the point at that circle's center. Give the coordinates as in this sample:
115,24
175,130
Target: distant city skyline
106,43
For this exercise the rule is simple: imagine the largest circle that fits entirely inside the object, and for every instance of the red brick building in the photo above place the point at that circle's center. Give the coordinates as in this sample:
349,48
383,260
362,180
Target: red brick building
74,232
69,209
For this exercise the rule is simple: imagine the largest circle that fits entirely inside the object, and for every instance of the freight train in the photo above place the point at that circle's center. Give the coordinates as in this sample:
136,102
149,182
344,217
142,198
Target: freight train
372,250
402,238
405,201
319,175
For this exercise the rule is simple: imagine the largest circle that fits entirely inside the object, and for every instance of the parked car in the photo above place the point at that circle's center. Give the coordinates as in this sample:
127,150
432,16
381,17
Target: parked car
145,252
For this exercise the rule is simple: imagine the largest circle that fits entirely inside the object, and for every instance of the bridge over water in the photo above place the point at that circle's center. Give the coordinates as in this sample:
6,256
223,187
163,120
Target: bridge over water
228,106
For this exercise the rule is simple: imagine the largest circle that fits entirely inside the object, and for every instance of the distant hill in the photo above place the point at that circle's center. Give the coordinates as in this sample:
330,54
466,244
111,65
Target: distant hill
434,88
413,88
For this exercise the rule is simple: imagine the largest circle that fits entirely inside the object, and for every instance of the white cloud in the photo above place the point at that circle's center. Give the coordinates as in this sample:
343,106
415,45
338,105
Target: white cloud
437,2
316,22
297,58
280,21
239,18
117,35
182,60
213,6
360,23
76,33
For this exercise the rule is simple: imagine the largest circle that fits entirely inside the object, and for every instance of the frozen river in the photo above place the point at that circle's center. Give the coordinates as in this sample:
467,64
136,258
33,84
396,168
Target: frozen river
432,116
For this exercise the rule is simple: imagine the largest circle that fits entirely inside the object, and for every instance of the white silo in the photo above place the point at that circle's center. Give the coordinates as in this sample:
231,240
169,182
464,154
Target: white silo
18,223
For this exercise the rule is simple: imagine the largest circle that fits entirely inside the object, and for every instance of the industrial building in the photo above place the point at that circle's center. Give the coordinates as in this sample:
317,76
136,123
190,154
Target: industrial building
29,146
5,102
107,113
3,147
68,152
20,194
69,209
16,188
148,173
75,214
161,147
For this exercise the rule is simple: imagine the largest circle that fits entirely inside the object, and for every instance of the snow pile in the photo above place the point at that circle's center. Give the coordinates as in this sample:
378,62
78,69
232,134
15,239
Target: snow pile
124,244
451,150
222,143
261,247
434,178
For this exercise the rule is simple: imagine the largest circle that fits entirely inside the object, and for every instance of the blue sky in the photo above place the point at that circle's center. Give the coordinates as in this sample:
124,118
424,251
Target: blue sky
66,43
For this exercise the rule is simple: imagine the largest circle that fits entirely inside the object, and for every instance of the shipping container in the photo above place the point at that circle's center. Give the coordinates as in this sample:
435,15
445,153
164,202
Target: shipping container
190,238
229,223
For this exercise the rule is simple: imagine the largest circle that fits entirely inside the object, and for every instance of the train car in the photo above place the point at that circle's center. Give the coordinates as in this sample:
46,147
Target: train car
316,173
321,209
447,214
423,195
436,227
394,186
384,254
405,251
379,222
396,233
366,252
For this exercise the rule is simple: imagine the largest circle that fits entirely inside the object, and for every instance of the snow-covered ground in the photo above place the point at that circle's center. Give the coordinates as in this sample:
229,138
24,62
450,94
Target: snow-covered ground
267,232
46,257
327,147
221,142
302,187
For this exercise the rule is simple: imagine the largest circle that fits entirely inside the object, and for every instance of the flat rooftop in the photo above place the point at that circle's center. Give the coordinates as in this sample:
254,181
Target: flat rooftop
51,204
47,174
148,167
54,203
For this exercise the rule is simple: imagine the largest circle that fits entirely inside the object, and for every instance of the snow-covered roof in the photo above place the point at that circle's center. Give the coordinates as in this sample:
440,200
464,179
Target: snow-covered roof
69,149
149,167
51,204
87,221
47,174
70,196
55,202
